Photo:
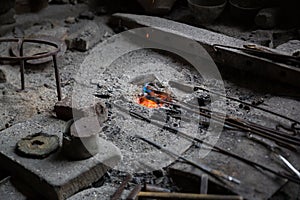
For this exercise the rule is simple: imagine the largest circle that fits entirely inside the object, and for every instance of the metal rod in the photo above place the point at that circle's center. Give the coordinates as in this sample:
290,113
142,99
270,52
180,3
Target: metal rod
134,193
289,165
214,147
119,191
241,124
57,77
248,104
204,184
193,88
166,195
22,67
213,172
154,188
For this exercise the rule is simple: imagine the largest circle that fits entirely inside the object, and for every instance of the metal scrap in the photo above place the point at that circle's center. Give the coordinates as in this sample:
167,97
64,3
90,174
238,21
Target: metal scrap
134,193
121,188
39,145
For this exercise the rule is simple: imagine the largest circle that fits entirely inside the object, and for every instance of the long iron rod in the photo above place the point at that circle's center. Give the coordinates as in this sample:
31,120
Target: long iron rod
214,147
248,104
284,140
213,172
173,195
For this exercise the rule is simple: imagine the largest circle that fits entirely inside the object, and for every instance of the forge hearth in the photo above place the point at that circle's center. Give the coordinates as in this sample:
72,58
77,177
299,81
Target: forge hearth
125,79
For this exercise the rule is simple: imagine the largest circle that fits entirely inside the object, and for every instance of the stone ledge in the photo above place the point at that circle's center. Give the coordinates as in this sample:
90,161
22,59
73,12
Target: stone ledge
53,177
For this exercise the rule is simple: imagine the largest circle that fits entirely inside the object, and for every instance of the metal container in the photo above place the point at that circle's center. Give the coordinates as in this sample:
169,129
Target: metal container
157,7
245,10
206,11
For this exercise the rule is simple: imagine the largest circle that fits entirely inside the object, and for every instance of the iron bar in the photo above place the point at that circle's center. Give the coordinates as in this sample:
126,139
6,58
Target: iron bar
285,140
154,188
173,195
133,195
22,67
121,188
213,147
57,78
215,173
194,88
250,105
204,184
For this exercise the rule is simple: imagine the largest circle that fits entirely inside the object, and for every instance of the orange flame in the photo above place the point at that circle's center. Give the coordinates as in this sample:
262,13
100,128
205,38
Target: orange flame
162,96
148,103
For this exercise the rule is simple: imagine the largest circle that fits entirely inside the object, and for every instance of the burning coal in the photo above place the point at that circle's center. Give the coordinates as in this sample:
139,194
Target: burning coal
151,97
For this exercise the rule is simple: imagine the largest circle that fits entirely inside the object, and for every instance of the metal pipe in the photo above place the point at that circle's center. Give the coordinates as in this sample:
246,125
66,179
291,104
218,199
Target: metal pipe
166,195
154,188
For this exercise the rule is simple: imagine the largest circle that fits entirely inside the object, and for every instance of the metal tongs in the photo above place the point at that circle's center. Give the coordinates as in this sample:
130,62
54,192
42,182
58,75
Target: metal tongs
264,53
276,150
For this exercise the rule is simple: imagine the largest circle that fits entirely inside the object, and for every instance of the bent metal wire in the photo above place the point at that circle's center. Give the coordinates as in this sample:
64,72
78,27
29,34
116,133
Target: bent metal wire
22,59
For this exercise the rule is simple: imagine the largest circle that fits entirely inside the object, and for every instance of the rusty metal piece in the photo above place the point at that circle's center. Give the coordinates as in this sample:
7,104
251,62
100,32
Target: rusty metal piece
166,195
119,191
81,139
133,195
62,45
204,184
154,188
39,145
22,59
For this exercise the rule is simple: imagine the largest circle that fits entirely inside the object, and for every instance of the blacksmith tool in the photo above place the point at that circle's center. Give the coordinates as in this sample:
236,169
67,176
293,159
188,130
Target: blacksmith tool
276,150
215,173
193,88
214,147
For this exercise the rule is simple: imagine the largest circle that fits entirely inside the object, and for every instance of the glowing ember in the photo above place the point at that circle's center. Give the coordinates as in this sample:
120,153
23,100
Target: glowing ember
148,103
152,98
